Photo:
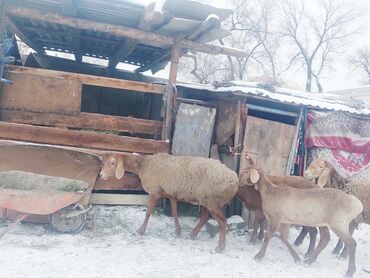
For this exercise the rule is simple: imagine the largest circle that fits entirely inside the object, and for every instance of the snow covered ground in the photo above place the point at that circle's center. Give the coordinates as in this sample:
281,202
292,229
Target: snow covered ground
112,249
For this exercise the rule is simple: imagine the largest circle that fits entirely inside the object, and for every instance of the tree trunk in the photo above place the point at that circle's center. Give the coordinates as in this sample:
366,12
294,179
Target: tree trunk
309,79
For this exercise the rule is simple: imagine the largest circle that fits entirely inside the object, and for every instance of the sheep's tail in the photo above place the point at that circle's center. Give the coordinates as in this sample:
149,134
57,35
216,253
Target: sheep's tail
357,206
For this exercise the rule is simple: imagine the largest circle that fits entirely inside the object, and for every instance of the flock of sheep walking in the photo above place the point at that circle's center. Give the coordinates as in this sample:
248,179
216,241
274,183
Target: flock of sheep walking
331,202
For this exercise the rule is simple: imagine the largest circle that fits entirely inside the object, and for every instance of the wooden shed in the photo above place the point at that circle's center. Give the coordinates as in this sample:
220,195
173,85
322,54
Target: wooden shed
70,103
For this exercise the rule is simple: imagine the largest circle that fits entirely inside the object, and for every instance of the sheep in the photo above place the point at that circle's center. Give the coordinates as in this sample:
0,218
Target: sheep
252,200
319,207
325,174
196,180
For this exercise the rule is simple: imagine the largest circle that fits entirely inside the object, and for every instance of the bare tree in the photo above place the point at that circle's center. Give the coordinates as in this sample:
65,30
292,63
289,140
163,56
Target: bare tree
250,25
317,33
361,60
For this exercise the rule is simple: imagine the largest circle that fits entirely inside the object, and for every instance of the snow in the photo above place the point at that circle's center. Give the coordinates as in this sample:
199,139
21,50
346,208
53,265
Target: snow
111,248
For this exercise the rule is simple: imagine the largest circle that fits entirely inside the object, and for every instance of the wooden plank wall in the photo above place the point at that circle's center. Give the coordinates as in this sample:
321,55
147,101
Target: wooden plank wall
268,143
44,106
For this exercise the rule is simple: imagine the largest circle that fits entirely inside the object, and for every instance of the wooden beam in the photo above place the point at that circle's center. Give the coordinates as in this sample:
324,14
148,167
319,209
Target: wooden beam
118,199
82,139
150,18
147,37
16,31
84,121
92,79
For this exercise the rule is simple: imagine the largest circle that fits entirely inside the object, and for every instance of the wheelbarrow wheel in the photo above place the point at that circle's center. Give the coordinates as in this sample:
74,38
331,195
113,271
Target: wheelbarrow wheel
72,224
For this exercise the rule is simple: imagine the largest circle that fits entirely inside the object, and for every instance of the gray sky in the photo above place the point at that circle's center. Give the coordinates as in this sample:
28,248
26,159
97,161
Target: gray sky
344,76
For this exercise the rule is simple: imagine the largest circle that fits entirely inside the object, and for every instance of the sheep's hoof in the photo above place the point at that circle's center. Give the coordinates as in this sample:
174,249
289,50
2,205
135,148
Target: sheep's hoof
219,249
307,255
260,237
193,235
140,231
252,241
310,260
178,233
258,257
349,273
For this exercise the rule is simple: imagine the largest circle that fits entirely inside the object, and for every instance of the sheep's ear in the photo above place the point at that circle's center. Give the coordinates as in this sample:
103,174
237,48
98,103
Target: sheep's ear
120,171
254,176
323,179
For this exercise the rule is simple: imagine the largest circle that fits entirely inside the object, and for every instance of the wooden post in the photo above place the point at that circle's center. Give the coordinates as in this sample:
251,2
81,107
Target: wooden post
2,28
170,92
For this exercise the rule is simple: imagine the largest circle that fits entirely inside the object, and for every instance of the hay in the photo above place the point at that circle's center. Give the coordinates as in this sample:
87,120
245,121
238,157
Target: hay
28,181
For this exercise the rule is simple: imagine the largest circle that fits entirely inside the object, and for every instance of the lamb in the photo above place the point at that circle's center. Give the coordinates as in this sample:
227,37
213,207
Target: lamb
319,207
252,200
196,180
326,175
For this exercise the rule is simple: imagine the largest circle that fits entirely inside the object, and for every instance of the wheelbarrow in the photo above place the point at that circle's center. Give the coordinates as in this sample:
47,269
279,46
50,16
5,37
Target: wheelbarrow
40,180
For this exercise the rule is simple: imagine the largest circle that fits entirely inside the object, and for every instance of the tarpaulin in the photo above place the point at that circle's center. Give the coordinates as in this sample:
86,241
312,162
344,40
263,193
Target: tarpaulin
341,138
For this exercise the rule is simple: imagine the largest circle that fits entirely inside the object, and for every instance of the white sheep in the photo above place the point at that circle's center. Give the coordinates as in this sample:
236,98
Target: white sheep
326,175
319,207
196,180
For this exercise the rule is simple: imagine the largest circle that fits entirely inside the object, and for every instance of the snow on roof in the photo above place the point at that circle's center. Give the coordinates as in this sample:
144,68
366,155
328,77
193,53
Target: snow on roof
312,100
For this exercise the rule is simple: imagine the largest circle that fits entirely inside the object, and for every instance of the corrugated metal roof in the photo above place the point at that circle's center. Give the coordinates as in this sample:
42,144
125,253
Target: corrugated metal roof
180,18
311,100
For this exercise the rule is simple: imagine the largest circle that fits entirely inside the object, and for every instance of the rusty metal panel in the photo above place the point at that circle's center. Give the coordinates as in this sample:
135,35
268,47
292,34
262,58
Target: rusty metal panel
41,94
193,130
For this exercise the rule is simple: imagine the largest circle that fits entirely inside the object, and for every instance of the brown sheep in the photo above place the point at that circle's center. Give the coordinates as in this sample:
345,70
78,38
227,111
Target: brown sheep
196,180
326,175
319,207
252,200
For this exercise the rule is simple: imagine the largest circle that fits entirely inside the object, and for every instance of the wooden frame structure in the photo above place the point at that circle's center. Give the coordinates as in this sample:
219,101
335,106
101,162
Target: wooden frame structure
33,110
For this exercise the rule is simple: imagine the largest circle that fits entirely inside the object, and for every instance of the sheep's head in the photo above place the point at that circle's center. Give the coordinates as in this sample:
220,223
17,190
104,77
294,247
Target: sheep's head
249,177
113,166
319,169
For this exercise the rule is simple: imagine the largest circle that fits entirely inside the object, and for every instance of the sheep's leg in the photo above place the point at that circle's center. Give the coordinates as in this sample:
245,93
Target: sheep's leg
273,225
261,234
350,243
284,233
313,233
338,247
257,223
344,253
152,201
204,216
175,216
220,218
301,236
324,240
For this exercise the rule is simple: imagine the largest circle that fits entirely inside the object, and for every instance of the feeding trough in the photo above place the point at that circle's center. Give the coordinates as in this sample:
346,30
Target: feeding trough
39,180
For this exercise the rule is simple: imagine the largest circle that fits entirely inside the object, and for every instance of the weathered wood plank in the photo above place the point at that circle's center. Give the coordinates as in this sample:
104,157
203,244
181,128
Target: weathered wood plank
82,139
91,79
118,199
41,94
84,121
268,143
148,38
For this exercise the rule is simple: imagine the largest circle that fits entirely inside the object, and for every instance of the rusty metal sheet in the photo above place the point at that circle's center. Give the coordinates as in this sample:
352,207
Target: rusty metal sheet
41,94
193,130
